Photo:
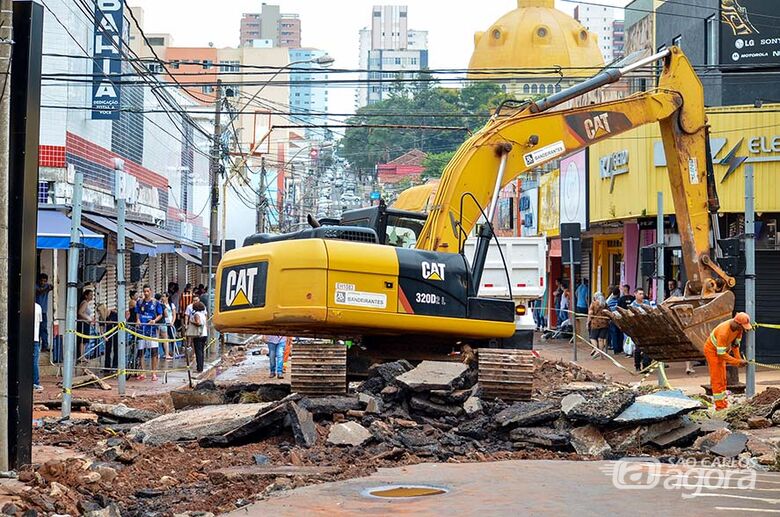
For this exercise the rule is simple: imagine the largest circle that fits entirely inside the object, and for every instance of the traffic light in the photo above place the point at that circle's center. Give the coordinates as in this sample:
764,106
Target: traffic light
137,271
91,271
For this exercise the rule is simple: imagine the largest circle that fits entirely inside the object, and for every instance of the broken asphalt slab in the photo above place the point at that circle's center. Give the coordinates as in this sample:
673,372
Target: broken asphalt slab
262,424
303,426
122,413
197,423
326,406
682,435
658,406
731,445
432,375
601,410
526,414
589,440
540,437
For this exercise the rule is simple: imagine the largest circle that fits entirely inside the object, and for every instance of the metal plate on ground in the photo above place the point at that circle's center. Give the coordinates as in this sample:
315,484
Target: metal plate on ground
319,368
506,374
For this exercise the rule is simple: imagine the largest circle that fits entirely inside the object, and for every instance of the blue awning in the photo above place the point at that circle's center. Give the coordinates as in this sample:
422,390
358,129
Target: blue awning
164,243
54,232
140,244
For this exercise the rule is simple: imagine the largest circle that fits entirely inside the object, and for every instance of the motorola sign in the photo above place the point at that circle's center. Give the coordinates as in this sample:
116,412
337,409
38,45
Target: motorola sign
749,33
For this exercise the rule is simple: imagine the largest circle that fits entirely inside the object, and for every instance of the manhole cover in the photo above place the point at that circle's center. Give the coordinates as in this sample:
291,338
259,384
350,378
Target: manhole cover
400,491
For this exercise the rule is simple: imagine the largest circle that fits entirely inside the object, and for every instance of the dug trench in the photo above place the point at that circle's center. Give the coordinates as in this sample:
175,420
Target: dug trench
214,449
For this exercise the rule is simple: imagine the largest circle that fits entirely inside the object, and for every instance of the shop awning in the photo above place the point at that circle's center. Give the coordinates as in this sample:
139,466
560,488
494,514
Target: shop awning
182,243
140,243
164,244
54,232
189,258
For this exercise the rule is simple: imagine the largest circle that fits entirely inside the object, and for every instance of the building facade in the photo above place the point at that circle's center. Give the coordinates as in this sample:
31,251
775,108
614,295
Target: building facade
601,20
389,50
271,25
309,92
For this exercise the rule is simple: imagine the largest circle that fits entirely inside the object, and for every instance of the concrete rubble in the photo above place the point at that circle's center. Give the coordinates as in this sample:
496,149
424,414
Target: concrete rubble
434,412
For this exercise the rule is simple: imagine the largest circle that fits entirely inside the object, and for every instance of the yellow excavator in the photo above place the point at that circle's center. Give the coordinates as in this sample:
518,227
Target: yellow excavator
397,281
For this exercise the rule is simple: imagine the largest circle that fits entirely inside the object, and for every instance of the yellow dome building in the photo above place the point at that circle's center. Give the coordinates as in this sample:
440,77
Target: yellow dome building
536,35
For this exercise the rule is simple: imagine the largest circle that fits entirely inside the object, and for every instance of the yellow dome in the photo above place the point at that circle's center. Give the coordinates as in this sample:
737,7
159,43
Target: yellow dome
536,35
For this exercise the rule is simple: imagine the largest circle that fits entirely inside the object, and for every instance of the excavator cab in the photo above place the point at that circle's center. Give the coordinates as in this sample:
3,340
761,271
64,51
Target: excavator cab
398,228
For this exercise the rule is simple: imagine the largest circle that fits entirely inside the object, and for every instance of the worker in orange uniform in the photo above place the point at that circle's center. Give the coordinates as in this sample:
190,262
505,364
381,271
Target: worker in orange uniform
722,349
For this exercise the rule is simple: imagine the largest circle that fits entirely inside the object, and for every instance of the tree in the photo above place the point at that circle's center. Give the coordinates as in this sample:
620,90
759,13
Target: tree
434,164
421,103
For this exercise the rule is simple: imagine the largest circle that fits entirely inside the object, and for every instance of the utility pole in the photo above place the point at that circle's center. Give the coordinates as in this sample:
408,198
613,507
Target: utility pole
659,271
121,297
750,280
6,33
216,159
262,201
70,311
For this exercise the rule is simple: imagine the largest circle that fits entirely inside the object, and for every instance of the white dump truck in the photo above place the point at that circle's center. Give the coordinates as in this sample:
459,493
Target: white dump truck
526,264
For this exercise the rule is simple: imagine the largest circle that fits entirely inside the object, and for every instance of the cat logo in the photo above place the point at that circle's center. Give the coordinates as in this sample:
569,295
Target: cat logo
596,124
239,286
433,271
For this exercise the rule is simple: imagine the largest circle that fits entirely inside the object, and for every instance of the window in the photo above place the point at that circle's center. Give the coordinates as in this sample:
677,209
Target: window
207,88
398,61
711,39
677,41
155,68
229,66
534,89
526,88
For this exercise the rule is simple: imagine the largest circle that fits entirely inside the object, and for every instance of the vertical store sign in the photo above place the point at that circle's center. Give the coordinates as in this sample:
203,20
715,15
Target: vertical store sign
107,63
573,190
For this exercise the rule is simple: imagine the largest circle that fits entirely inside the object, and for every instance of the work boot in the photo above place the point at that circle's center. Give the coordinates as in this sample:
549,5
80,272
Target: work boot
272,376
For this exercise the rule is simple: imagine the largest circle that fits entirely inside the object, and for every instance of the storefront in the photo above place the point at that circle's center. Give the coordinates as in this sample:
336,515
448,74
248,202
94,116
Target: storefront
628,171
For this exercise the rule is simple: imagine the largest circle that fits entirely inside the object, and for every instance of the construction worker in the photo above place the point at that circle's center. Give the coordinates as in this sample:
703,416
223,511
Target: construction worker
722,349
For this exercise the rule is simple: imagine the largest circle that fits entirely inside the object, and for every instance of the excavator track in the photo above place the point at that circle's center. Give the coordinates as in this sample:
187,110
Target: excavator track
319,367
506,374
677,329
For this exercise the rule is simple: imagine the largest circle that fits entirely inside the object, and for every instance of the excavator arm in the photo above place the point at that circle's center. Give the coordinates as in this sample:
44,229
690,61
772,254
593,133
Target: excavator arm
510,146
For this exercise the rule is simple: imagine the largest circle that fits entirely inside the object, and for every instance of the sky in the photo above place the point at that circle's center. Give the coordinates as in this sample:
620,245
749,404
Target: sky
333,25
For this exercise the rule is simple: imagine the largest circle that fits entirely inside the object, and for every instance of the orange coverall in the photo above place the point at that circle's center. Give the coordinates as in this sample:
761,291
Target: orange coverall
722,349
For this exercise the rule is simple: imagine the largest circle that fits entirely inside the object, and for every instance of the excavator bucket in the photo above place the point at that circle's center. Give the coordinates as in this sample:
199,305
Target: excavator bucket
677,329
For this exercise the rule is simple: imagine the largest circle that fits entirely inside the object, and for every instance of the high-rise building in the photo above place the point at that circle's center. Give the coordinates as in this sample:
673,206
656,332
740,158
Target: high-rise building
618,39
601,20
282,30
308,93
388,50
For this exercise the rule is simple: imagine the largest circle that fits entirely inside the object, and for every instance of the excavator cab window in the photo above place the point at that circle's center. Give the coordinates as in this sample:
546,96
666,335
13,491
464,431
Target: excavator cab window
402,232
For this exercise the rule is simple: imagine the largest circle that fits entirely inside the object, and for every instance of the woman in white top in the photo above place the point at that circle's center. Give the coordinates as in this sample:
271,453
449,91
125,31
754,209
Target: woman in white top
199,321
86,321
169,316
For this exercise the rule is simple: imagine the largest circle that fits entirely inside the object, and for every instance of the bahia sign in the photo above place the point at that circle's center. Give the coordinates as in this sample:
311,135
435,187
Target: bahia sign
107,59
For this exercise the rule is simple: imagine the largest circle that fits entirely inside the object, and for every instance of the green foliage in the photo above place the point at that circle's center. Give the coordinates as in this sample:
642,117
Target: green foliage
434,164
419,103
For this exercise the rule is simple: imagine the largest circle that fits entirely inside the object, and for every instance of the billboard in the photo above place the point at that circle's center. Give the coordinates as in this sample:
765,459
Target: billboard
549,211
749,32
106,56
574,189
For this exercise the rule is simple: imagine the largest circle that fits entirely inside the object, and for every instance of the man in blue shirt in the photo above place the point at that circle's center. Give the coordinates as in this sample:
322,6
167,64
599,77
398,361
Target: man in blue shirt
42,290
581,297
149,312
615,335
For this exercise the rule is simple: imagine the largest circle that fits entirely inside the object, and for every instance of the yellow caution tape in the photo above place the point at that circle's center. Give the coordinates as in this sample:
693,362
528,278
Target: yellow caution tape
767,326
764,365
104,335
149,338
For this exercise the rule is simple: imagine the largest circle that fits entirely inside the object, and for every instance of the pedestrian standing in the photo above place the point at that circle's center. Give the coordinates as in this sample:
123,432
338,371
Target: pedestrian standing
581,297
557,301
42,290
641,360
109,319
276,345
565,314
721,350
200,320
37,348
169,317
674,290
149,313
185,300
86,322
598,324
615,334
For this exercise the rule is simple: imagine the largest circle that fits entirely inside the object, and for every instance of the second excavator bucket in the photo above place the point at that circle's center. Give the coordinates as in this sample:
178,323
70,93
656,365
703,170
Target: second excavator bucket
677,329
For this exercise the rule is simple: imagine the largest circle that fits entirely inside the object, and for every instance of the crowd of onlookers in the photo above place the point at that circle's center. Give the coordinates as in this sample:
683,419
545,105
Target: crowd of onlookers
163,326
